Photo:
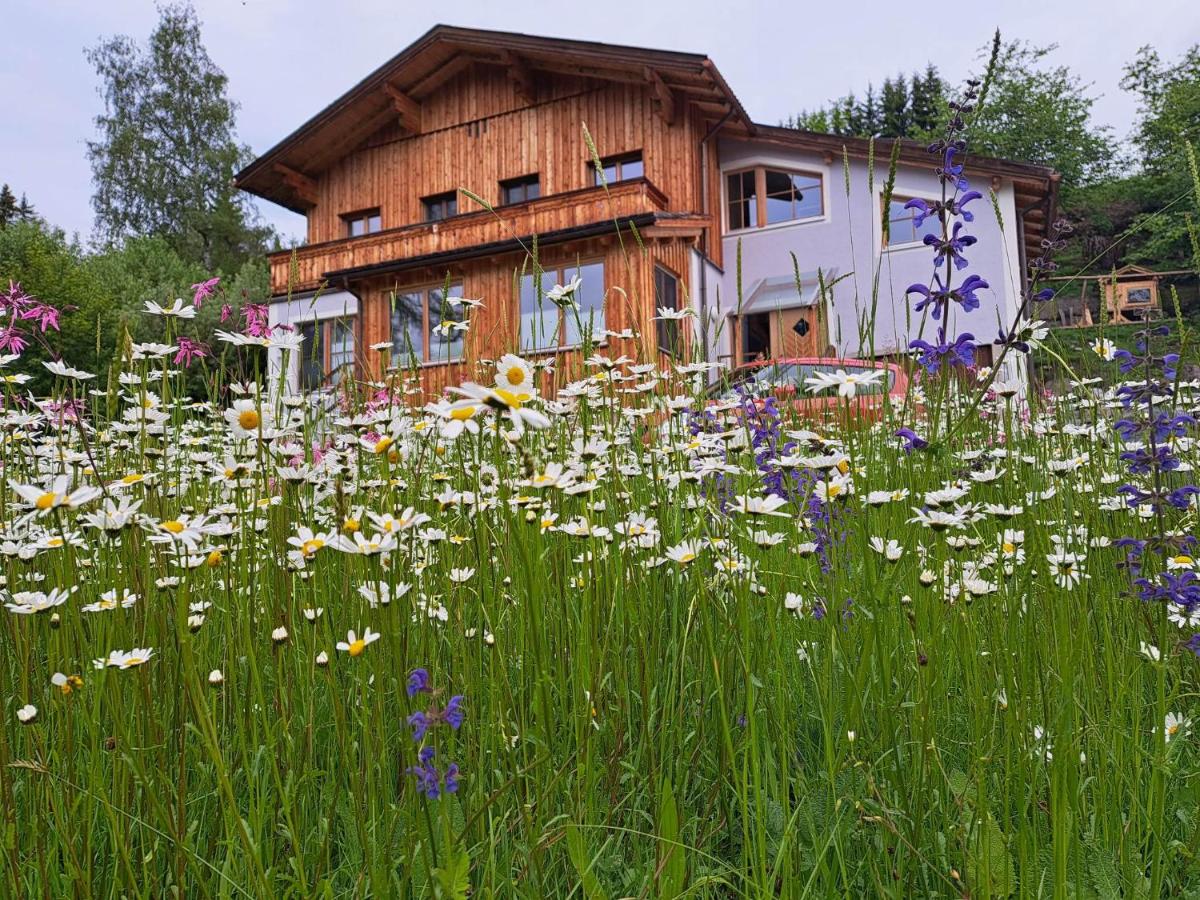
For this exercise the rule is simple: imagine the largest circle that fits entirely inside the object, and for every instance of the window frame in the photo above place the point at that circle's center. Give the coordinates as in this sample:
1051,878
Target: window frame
760,195
533,179
430,201
559,270
453,288
663,325
885,236
362,215
617,160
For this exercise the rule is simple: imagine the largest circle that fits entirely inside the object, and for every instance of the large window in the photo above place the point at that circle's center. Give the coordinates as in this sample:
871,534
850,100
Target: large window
326,352
366,221
768,196
902,224
518,190
440,206
423,321
312,356
341,346
619,168
666,296
547,326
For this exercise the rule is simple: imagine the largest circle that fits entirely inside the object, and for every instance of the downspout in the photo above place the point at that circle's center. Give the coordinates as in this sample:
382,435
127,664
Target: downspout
704,208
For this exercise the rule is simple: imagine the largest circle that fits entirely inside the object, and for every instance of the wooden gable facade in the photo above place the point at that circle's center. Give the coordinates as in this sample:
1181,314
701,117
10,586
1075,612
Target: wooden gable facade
464,113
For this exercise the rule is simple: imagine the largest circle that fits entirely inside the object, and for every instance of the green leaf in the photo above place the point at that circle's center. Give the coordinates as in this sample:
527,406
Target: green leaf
672,864
450,880
990,869
577,850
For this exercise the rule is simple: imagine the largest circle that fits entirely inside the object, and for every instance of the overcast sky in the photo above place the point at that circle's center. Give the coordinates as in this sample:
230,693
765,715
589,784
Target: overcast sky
286,59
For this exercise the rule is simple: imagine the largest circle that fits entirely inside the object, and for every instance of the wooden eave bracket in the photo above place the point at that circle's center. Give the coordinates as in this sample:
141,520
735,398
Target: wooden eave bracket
664,98
302,185
406,107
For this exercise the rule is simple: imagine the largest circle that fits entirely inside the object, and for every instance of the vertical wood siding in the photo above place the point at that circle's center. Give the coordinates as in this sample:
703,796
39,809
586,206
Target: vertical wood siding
475,133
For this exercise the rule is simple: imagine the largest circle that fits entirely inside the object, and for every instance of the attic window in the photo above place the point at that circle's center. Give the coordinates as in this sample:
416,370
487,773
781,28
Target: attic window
619,168
440,206
366,221
518,190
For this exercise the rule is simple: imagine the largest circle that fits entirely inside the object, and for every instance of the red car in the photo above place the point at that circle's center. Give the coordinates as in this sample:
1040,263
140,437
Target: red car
787,381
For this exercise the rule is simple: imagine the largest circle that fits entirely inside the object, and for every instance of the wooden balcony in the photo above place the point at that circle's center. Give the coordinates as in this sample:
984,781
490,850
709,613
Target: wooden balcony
545,216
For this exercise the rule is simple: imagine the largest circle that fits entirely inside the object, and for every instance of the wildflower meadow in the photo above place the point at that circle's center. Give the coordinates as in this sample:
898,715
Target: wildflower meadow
597,630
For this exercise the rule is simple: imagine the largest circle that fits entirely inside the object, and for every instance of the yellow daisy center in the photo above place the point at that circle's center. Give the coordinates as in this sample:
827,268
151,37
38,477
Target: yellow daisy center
311,547
132,479
174,526
248,419
509,398
382,444
48,500
687,557
350,525
214,559
357,647
515,375
463,413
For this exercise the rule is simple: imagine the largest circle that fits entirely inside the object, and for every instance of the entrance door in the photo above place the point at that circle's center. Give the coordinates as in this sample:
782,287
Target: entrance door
756,337
794,333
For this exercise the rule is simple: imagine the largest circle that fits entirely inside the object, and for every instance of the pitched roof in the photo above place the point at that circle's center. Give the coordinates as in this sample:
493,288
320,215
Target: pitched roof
284,172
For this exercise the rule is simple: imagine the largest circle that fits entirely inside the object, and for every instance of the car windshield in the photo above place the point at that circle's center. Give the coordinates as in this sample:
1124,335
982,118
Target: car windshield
757,381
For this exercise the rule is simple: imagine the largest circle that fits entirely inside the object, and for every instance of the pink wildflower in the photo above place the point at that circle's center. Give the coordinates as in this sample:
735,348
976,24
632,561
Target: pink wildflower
203,291
257,320
189,351
12,340
45,314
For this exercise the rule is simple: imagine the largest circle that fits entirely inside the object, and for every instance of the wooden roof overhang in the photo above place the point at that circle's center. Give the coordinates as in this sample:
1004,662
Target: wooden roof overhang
1035,187
286,173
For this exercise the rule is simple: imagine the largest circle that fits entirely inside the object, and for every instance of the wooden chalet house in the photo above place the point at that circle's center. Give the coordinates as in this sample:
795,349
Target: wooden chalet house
382,173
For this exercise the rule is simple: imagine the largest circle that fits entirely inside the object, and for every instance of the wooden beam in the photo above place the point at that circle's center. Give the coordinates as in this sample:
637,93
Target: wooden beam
408,109
595,72
304,187
664,100
441,75
519,74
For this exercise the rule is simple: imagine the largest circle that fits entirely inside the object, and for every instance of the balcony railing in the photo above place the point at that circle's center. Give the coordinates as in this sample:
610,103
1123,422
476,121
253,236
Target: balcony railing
553,213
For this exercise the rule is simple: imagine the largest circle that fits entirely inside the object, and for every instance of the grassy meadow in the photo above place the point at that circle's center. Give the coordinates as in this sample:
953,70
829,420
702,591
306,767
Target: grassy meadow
924,673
